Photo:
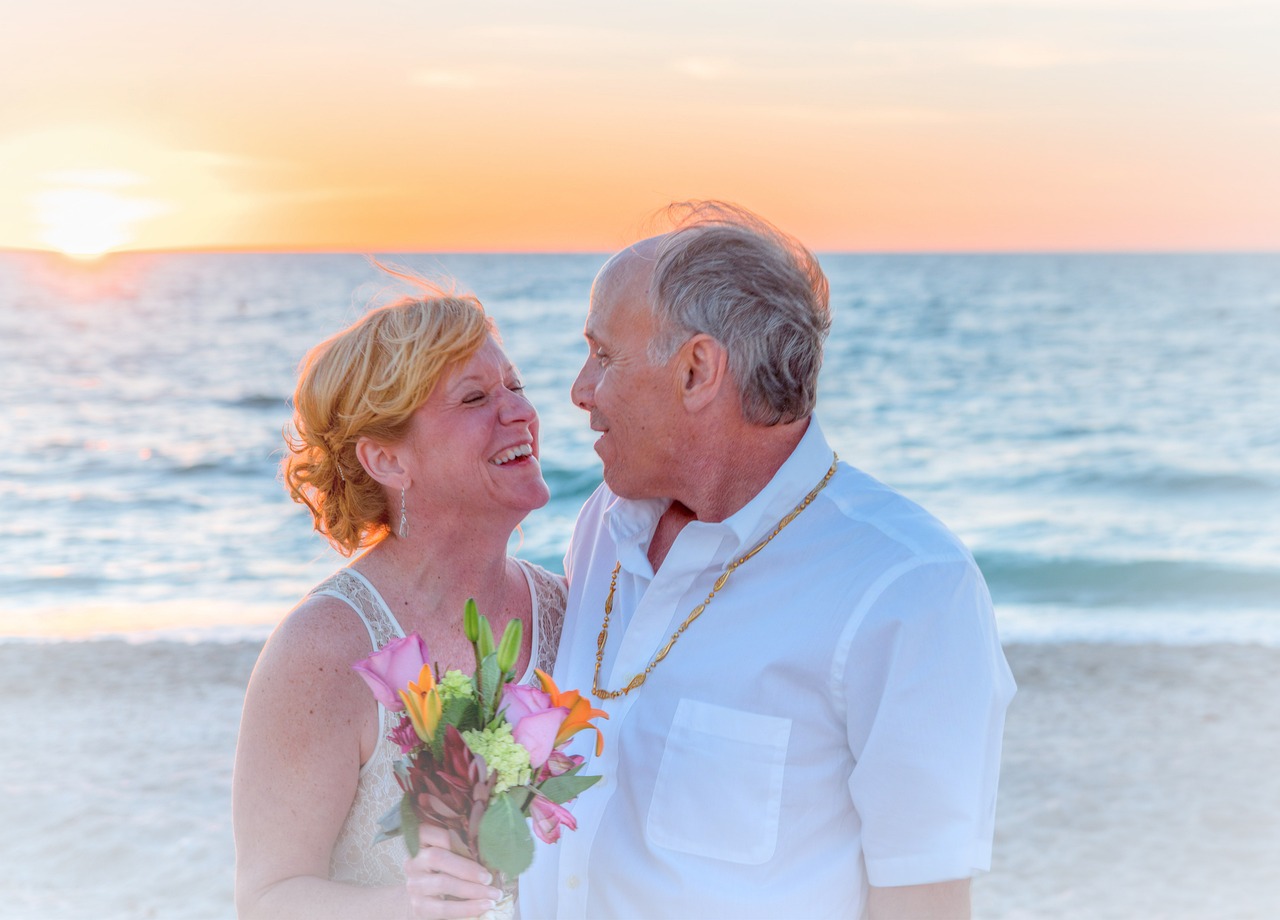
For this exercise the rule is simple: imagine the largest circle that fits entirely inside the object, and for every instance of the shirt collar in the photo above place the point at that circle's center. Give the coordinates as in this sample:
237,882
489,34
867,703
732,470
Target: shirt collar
632,522
797,476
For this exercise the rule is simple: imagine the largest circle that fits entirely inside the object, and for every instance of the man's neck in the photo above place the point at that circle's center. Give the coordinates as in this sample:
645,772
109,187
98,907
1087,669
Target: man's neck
666,531
735,472
720,488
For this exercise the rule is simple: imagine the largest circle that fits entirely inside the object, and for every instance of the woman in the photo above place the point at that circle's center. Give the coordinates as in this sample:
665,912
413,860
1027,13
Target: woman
412,440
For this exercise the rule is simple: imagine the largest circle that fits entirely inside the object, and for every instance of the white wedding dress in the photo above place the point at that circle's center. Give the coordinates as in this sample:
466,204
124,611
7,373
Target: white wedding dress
356,859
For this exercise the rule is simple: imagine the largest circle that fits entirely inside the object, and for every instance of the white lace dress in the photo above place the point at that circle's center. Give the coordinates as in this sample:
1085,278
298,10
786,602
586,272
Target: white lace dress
356,860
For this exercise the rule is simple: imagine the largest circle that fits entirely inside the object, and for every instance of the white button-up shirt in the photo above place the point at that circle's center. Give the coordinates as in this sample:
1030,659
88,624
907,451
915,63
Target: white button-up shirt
832,719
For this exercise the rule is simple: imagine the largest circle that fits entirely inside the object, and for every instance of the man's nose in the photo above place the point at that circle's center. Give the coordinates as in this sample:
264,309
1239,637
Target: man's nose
584,387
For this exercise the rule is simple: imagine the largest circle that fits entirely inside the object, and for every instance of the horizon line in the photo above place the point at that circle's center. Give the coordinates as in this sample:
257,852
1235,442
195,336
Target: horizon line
90,259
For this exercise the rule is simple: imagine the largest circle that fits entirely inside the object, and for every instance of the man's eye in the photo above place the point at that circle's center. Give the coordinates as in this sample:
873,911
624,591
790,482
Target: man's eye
602,357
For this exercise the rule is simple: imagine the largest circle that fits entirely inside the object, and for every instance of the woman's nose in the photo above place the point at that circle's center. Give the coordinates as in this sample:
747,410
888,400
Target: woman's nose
516,407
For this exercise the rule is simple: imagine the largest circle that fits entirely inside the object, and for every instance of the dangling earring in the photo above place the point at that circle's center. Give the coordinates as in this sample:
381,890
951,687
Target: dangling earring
404,516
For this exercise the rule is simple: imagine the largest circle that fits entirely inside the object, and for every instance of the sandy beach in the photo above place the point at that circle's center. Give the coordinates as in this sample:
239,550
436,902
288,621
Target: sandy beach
1138,781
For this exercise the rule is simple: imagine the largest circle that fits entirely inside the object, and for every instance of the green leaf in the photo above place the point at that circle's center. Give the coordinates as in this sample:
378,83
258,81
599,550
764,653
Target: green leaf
461,713
561,789
506,845
520,796
409,825
489,685
389,824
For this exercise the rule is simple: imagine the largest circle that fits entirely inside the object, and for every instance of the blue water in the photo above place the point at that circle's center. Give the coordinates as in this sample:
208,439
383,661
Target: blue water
1101,430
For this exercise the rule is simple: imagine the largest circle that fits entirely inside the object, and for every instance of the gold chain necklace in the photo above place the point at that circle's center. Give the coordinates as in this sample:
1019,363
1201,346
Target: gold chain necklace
697,611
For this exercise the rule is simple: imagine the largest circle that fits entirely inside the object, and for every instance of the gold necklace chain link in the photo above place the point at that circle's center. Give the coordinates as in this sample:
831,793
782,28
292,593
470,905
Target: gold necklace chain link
720,582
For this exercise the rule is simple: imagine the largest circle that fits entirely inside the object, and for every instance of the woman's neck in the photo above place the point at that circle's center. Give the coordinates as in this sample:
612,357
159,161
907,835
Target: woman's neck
438,569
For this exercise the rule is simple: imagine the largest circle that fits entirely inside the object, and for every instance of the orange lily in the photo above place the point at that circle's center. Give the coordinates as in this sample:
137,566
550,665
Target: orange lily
580,711
422,702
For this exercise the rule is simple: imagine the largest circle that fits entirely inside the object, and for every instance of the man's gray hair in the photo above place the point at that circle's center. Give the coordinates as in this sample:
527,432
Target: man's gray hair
727,273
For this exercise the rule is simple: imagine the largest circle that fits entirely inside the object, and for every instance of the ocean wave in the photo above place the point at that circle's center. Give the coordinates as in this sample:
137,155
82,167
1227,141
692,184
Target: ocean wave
1166,481
267,401
54,583
237,467
1087,582
569,485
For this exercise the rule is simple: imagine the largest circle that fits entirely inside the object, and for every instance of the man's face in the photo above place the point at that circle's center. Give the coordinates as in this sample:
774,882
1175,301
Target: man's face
634,404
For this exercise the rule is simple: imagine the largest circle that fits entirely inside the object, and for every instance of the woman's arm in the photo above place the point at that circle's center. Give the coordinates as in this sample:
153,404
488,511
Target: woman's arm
307,726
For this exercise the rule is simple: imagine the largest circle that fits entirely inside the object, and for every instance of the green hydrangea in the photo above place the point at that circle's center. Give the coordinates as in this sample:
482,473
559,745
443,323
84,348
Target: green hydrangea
454,684
503,754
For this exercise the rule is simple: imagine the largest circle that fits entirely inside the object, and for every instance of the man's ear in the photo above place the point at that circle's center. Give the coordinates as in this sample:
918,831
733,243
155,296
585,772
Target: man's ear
382,462
703,364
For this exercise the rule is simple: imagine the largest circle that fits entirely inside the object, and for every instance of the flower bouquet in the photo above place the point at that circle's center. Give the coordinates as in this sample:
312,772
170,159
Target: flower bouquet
482,755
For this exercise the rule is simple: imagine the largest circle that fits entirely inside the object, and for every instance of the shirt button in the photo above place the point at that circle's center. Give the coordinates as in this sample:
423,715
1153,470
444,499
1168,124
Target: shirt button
572,882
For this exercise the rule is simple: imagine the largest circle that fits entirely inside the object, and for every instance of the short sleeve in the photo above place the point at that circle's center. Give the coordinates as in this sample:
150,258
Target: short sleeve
925,686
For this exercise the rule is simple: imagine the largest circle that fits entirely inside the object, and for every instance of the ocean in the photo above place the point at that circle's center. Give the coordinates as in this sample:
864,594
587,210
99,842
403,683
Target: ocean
1101,430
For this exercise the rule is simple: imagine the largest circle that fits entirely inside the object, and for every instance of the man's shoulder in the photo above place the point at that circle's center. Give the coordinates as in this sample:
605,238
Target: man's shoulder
870,509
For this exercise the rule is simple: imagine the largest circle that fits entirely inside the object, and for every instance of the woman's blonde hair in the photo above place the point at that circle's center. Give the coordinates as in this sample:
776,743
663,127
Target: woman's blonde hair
367,381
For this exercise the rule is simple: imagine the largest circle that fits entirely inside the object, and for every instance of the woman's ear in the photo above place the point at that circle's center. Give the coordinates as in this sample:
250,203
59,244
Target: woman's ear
382,462
703,364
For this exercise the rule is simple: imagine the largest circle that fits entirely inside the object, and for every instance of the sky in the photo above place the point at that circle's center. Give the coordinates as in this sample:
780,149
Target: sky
413,125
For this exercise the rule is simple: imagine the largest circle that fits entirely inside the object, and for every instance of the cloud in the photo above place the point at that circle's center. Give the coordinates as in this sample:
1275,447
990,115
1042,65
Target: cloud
445,79
870,115
93,178
701,68
1094,6
1025,56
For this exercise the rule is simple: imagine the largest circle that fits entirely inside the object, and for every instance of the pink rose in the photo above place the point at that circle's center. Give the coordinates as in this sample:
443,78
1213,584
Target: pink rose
548,817
519,700
534,721
390,669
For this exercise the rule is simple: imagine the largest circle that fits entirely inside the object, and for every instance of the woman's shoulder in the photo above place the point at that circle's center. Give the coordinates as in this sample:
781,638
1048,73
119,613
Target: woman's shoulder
321,634
551,587
550,594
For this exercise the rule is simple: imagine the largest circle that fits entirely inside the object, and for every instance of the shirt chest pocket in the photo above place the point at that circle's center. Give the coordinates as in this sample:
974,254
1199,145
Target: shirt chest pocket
719,786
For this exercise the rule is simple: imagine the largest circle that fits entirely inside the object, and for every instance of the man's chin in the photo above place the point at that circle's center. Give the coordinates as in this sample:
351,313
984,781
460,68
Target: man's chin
623,487
616,482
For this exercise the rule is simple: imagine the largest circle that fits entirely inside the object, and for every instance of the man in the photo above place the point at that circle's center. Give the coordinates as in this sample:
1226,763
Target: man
805,689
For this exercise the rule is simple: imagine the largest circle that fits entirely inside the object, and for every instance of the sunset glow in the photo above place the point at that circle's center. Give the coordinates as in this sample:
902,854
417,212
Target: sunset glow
912,125
87,214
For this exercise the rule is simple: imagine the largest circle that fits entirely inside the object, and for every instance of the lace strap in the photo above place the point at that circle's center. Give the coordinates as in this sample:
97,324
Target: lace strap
350,586
550,594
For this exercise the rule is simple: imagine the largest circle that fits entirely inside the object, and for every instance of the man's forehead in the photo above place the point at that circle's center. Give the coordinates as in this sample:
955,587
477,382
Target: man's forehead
624,278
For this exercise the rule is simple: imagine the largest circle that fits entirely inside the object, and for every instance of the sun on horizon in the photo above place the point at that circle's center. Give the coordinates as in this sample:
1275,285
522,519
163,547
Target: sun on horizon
88,214
917,126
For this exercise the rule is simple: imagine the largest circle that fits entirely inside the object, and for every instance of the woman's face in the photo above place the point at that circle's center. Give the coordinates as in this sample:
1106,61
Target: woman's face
474,443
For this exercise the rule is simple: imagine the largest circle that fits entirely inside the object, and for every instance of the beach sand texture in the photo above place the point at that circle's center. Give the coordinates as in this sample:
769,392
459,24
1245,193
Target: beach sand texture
1138,781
